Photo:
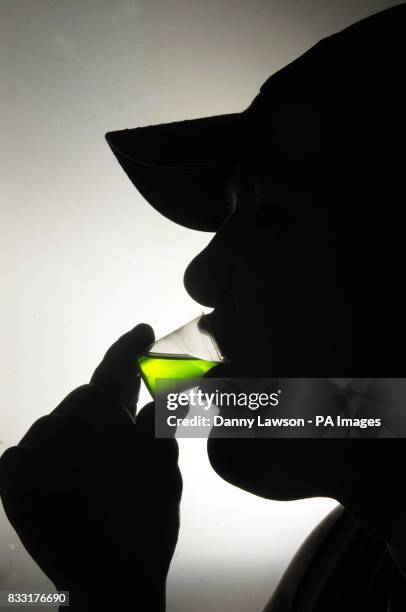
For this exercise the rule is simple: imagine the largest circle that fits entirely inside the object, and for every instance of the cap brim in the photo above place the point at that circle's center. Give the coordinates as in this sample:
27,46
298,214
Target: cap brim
182,168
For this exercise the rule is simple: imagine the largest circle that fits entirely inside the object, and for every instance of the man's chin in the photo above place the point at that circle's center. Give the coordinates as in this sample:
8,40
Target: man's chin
249,465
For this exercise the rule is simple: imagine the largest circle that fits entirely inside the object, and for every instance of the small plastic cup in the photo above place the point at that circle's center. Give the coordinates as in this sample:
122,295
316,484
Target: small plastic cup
186,353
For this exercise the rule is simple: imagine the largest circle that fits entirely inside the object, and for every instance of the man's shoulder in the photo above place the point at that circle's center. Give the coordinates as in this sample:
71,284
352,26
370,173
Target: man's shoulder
338,567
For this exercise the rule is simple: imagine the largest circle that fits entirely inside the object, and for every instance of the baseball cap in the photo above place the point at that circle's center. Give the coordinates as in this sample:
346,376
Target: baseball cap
182,168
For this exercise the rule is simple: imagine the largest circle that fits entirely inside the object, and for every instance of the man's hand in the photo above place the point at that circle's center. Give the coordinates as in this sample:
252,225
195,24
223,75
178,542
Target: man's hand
93,495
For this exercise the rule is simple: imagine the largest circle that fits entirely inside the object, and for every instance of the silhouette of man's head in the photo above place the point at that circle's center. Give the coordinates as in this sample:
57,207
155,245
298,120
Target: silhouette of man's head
304,191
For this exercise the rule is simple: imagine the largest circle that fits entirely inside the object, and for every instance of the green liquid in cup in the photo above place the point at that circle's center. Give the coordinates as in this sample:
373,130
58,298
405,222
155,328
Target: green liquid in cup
171,366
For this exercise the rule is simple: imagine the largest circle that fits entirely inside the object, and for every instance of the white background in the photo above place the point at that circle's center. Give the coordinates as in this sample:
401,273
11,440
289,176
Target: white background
84,258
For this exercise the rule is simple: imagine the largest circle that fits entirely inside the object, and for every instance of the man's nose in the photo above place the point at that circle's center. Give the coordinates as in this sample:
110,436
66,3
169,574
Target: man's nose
209,276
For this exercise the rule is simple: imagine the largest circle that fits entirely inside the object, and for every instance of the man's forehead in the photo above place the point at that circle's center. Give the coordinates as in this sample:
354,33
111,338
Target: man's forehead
299,125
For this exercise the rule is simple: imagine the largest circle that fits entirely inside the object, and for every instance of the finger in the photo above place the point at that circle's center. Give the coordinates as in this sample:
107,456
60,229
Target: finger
123,353
134,341
118,373
25,468
98,420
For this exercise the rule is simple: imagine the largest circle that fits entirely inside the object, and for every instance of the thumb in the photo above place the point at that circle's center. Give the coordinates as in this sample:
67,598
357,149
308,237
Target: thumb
145,422
156,457
152,424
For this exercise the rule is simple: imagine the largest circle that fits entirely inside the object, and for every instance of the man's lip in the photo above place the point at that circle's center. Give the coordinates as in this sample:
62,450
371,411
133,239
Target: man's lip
225,327
216,328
